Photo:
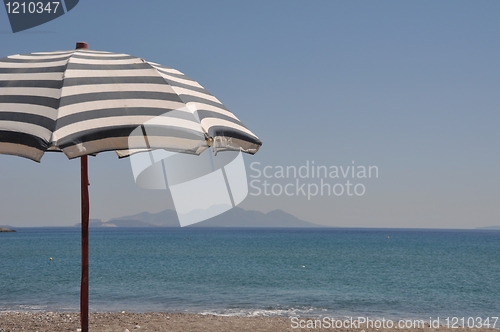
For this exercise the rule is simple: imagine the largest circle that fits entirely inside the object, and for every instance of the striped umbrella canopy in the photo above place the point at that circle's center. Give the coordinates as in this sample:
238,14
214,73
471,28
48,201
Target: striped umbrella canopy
83,102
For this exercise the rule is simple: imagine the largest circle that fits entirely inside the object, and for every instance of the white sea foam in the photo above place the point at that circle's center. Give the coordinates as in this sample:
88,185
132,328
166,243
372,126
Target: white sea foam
282,312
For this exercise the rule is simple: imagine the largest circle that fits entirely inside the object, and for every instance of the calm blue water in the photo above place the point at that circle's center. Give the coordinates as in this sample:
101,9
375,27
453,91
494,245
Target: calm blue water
313,272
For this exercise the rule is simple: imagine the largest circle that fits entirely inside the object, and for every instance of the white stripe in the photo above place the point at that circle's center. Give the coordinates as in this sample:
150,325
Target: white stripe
122,143
173,122
39,92
30,109
31,77
211,122
21,151
27,128
98,54
180,80
32,64
169,73
168,70
31,57
119,103
109,123
141,87
53,53
201,106
91,51
103,61
184,91
72,73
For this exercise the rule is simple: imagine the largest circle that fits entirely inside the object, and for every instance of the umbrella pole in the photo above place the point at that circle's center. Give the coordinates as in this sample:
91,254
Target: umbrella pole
84,287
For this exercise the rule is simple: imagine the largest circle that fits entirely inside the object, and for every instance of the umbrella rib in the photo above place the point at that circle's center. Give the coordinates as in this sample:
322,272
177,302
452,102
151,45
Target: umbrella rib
51,142
147,144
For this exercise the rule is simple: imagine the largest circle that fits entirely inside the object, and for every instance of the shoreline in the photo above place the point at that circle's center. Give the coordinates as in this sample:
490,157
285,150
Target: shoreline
164,321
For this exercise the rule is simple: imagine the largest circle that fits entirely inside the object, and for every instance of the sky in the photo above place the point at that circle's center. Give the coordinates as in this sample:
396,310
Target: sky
410,88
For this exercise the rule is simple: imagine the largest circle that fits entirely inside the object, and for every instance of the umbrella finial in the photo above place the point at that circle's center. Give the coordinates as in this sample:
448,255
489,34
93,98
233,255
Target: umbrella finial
82,45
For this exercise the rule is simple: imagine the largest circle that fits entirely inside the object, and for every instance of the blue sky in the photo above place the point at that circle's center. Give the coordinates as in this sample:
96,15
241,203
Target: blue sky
411,87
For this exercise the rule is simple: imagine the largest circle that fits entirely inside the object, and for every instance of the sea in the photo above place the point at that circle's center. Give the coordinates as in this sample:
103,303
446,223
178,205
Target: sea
321,272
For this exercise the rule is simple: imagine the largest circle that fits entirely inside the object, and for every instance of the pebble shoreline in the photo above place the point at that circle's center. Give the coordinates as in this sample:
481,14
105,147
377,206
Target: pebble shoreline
161,321
125,321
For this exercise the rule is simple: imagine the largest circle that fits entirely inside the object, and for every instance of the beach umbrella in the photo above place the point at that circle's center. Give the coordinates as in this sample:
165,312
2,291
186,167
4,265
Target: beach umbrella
82,102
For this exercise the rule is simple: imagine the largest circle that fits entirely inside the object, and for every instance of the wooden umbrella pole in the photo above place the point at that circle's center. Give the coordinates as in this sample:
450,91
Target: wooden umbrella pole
84,287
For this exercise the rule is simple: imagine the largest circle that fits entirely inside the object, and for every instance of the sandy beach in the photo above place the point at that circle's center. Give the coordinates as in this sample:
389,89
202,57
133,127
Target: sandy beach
125,321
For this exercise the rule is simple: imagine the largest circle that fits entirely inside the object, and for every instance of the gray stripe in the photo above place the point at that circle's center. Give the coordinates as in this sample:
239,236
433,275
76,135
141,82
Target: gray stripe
23,139
171,131
88,57
78,81
224,131
189,87
55,69
210,114
190,98
126,131
32,84
112,112
35,119
118,95
110,66
32,100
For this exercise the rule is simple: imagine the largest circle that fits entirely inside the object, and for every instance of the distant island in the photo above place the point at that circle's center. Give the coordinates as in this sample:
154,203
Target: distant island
6,229
491,228
236,217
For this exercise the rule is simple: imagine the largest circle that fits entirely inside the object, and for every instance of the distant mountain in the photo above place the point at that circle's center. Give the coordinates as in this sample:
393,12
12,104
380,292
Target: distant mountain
493,228
98,223
167,218
236,217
